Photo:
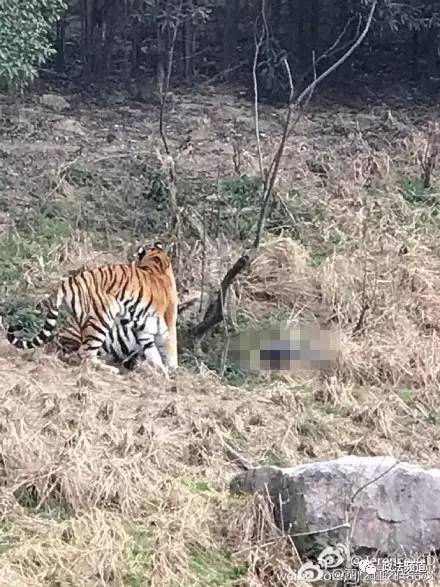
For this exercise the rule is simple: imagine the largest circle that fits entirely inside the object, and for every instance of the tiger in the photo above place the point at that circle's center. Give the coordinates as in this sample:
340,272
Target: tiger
125,344
145,289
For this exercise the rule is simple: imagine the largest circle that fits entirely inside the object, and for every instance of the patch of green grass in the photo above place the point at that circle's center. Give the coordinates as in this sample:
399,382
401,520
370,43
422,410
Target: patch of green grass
235,376
415,193
241,196
238,208
51,508
197,486
54,511
273,459
407,396
30,247
434,418
216,569
20,251
80,175
334,410
110,200
139,555
320,251
242,190
249,380
200,487
237,439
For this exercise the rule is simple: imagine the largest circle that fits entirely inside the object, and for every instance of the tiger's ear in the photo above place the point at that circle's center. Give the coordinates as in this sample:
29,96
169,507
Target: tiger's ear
158,245
141,252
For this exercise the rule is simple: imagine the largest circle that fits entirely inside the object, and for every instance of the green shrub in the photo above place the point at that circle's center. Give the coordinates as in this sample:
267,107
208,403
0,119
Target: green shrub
24,38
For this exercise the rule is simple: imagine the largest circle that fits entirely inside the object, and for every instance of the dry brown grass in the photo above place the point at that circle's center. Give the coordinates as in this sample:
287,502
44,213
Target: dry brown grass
111,480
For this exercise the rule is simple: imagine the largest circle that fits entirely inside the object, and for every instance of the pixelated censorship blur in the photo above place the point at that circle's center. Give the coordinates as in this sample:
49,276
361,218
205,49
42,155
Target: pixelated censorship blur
300,348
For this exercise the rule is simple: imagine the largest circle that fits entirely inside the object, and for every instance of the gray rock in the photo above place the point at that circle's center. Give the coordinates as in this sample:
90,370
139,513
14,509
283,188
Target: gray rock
69,126
57,103
391,507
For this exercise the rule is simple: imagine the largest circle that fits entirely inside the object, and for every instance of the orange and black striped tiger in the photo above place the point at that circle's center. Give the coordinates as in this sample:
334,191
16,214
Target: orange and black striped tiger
145,290
126,342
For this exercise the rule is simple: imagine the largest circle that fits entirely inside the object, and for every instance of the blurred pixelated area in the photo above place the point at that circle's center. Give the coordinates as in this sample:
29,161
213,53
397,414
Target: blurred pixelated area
302,348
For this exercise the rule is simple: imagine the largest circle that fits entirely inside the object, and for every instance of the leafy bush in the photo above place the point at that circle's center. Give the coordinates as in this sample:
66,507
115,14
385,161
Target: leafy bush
24,38
19,253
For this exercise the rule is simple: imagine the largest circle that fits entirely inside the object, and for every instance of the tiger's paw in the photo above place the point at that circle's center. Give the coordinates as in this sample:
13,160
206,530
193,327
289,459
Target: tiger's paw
98,364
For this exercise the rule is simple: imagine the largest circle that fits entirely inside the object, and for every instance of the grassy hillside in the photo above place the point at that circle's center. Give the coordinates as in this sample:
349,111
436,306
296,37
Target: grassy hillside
110,480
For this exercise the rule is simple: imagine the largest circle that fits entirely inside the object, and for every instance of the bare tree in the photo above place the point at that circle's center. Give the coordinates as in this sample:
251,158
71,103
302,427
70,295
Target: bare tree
173,21
215,311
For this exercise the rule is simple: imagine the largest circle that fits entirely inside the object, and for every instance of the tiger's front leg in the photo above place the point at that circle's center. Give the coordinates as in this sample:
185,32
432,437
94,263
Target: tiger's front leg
163,342
169,338
91,356
152,356
149,340
94,335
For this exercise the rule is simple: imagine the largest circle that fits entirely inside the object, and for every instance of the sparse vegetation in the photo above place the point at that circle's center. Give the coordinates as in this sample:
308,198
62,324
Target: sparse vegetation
120,481
216,569
24,38
24,256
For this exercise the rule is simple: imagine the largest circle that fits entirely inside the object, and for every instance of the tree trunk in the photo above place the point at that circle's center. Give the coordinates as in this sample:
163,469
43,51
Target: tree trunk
276,17
87,28
60,58
415,53
161,52
188,42
135,32
230,37
315,7
110,16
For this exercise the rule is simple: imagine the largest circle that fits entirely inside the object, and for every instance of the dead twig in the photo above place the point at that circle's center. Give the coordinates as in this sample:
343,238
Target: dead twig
258,44
299,104
233,454
186,305
215,311
311,87
428,158
270,178
170,163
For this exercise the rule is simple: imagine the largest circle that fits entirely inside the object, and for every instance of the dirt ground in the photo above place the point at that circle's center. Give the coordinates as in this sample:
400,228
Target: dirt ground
121,480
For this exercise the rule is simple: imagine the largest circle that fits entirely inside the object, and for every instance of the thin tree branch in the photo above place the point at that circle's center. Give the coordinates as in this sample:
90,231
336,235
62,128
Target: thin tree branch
215,311
165,90
305,95
276,162
311,87
185,305
333,48
170,163
254,75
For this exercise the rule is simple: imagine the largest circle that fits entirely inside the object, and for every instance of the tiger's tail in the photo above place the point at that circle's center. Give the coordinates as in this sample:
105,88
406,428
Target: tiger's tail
46,333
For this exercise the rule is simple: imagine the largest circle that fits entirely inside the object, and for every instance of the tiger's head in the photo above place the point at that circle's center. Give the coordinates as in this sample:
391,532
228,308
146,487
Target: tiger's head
142,250
154,258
